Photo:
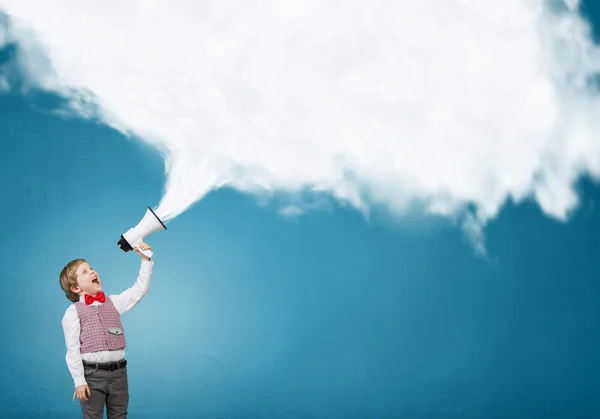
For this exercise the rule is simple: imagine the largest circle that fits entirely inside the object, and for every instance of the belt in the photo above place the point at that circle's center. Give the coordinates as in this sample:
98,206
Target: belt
106,367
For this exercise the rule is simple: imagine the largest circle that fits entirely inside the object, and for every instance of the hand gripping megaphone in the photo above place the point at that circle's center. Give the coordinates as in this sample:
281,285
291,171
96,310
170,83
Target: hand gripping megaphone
134,236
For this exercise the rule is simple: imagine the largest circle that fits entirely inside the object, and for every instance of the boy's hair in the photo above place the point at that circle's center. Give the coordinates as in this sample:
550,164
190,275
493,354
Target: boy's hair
68,278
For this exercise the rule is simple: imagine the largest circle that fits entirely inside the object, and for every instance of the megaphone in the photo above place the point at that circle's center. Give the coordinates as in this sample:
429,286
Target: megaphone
134,236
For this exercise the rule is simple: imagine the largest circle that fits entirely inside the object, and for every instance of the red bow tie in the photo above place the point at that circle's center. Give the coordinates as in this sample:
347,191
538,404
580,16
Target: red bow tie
99,297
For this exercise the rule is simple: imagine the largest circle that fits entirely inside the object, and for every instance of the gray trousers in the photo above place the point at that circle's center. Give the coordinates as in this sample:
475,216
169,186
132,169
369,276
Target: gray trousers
107,388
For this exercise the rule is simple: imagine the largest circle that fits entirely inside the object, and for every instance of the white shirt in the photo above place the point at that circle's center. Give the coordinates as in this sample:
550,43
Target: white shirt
123,302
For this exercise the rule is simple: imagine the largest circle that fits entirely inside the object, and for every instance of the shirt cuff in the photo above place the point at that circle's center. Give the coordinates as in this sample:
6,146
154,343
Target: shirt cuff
146,265
79,381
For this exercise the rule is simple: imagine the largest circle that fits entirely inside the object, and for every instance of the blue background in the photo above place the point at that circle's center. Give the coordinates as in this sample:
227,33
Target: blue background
251,315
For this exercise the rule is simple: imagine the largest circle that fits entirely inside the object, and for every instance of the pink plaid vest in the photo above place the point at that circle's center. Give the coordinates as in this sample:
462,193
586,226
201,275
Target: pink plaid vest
101,328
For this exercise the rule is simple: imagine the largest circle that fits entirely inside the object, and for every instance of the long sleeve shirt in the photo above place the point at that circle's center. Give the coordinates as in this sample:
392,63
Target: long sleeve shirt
123,302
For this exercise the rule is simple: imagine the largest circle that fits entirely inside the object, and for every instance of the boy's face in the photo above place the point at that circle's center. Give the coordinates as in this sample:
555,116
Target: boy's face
88,280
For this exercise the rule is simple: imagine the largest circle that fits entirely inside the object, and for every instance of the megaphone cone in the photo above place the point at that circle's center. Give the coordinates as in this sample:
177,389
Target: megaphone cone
134,236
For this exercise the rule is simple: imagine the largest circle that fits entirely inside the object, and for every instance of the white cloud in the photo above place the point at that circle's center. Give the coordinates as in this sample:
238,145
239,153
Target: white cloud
300,204
4,85
375,102
291,211
572,4
2,35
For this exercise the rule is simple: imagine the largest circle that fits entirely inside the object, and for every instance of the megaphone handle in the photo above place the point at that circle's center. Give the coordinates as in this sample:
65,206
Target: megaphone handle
146,252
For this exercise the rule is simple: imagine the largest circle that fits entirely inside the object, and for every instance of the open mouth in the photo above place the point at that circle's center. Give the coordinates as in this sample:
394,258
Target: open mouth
95,281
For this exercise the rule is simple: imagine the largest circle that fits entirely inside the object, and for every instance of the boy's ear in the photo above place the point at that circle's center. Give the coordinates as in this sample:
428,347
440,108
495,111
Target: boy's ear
75,289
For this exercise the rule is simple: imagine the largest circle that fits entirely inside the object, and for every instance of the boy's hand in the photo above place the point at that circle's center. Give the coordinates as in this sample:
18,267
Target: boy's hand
143,246
81,392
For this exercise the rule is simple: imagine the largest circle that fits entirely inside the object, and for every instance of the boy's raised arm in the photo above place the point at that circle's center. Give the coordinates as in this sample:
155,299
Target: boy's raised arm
130,297
70,324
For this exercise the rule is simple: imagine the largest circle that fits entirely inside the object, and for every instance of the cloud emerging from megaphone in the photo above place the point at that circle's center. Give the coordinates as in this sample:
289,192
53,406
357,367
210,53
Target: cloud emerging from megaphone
455,104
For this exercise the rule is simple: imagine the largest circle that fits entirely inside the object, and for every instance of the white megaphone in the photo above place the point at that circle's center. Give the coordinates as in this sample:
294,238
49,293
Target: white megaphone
134,236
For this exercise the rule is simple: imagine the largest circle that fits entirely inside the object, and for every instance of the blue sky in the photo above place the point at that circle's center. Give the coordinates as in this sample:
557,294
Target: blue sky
254,315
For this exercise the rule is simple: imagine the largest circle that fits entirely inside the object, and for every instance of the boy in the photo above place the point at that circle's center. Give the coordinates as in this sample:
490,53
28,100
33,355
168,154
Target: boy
95,338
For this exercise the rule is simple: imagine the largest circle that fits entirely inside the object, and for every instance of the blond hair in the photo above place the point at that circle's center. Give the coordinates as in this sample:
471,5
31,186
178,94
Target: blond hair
68,279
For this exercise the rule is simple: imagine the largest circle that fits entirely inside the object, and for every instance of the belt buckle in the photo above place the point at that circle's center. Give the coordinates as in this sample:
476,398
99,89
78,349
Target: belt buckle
92,365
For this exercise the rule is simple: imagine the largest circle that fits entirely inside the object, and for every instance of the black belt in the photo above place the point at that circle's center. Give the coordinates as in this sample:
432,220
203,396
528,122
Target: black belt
106,367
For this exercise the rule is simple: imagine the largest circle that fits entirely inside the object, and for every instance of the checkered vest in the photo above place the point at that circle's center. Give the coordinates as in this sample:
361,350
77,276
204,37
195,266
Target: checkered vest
101,328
